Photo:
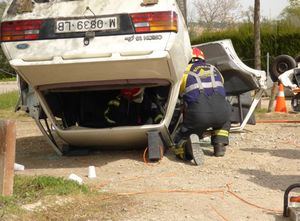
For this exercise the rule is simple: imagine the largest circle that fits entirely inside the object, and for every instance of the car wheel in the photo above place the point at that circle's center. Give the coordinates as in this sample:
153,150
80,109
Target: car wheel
297,59
281,64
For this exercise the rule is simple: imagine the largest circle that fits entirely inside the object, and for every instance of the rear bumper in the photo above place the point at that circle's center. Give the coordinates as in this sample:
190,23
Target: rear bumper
112,138
61,70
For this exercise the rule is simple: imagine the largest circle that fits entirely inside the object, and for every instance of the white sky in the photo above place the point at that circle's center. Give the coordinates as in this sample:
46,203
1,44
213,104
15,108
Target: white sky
269,8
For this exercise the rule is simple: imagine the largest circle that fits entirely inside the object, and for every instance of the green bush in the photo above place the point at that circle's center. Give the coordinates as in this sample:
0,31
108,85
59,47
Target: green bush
5,67
276,39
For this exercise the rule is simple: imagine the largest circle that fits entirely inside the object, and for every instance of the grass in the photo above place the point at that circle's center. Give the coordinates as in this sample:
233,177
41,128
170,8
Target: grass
261,111
49,198
8,79
8,103
39,186
8,100
32,189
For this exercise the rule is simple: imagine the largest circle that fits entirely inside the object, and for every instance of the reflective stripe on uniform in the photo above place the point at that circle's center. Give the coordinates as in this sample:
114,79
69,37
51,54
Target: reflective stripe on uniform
212,76
107,118
188,69
183,83
201,85
201,78
153,105
204,84
197,79
114,103
203,73
223,133
184,78
158,118
179,152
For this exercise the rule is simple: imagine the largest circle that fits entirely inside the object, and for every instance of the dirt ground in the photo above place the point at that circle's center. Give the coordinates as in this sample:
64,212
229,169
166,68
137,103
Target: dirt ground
247,184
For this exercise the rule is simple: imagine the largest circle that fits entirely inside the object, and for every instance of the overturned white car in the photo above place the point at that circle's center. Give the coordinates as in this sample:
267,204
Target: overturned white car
72,57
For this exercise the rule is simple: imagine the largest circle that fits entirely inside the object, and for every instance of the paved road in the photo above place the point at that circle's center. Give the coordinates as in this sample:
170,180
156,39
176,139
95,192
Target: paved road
8,86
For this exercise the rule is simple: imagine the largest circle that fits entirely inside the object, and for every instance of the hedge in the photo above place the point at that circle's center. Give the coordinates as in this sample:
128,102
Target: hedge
274,42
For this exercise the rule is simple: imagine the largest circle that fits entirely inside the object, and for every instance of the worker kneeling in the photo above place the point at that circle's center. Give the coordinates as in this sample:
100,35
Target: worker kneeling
132,107
205,106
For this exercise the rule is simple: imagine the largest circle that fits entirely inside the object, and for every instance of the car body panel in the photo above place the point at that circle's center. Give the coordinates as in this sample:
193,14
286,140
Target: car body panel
67,8
238,77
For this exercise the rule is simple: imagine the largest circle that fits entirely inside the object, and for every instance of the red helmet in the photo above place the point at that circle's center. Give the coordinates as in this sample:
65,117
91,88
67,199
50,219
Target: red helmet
131,93
198,54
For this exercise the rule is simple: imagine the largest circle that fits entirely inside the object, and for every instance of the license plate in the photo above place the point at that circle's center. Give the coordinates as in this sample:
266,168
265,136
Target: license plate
87,24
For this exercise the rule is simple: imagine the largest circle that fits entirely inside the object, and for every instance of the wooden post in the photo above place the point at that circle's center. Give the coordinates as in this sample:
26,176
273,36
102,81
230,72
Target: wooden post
274,92
7,156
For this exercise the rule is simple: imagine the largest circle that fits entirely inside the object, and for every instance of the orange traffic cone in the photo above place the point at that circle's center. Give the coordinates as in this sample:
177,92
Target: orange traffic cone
280,100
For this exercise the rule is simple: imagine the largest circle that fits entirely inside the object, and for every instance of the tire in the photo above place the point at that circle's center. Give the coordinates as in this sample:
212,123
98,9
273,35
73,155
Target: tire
281,64
297,59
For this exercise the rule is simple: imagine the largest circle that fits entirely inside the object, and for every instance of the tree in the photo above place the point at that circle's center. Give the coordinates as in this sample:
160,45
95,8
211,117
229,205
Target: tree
291,13
248,15
217,13
257,40
294,3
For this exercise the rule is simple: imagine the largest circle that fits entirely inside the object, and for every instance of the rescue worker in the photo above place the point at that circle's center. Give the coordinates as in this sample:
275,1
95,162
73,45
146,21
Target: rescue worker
205,106
132,107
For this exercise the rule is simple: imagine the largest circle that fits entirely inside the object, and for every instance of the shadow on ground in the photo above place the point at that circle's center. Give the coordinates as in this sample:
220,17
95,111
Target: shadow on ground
284,153
281,218
268,180
36,153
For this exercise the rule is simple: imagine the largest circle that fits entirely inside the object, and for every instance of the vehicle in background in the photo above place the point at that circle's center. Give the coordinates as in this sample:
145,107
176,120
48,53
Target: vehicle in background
291,79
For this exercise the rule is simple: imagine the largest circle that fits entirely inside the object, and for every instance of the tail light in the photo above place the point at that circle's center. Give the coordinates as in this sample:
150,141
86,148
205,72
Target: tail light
154,21
20,30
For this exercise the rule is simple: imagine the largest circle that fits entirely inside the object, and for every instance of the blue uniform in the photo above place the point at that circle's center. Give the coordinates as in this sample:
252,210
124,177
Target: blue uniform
204,95
204,72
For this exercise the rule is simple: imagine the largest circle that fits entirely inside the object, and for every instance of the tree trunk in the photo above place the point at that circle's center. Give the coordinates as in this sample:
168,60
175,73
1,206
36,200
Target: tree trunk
257,52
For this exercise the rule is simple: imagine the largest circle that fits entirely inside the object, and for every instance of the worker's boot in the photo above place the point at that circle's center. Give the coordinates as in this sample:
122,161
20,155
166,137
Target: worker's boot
194,150
219,150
